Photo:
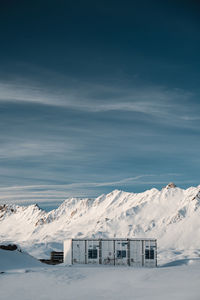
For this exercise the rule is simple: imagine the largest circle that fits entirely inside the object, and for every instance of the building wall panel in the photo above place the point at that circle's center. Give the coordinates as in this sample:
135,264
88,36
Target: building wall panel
132,252
107,252
136,253
78,252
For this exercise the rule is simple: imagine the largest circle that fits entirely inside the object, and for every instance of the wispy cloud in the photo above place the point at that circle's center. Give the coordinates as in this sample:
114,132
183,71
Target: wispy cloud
171,107
124,181
150,100
58,193
35,148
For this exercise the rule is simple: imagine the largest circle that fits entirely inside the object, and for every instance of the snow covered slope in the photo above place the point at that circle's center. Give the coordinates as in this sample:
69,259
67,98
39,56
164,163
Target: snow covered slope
171,215
15,260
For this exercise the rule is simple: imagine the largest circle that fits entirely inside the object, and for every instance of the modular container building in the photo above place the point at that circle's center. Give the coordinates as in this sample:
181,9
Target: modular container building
118,251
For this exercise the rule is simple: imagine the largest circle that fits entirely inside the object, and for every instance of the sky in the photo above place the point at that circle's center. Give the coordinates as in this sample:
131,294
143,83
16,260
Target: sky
96,96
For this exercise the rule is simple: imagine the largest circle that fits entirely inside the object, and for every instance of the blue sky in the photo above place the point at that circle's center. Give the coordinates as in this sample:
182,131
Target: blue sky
97,95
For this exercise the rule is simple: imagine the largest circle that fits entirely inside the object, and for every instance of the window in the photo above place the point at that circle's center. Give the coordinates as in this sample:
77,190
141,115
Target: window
121,253
92,253
124,244
149,254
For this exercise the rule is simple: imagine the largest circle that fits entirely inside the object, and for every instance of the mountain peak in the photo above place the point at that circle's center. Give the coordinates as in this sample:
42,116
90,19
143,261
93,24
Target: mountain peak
170,185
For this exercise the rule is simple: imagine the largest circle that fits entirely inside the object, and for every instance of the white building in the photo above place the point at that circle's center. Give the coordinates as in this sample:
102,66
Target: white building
132,252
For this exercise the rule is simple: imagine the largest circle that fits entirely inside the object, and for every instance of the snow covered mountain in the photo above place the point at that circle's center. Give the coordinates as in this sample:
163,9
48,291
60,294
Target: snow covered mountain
171,215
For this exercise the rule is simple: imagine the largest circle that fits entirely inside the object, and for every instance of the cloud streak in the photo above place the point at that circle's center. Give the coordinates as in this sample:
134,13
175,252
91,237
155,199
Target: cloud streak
57,193
150,100
127,181
161,105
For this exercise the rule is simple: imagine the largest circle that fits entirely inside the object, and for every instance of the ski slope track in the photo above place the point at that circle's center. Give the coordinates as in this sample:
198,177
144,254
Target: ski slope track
171,215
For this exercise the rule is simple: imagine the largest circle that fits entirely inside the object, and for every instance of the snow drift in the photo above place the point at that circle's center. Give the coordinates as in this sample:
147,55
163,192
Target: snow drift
15,260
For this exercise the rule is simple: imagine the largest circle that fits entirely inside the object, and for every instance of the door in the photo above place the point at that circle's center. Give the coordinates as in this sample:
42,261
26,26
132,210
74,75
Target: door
150,253
92,252
121,252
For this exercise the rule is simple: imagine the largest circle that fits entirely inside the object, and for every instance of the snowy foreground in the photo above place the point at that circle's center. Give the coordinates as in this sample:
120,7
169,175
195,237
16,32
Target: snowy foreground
23,277
31,280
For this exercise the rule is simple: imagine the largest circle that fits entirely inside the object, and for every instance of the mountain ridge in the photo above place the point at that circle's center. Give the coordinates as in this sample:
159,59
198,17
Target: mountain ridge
172,215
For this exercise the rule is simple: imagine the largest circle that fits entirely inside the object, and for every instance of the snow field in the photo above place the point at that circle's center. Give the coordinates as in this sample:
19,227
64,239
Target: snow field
74,283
